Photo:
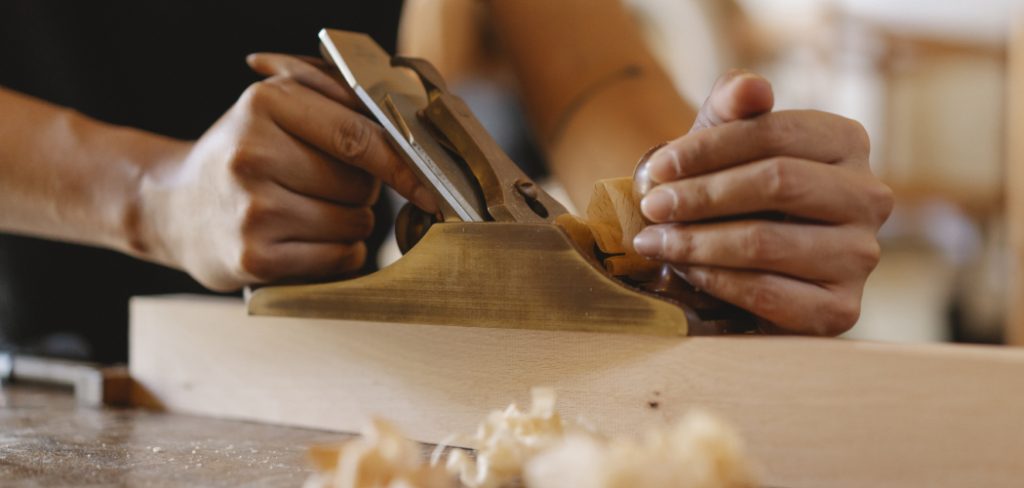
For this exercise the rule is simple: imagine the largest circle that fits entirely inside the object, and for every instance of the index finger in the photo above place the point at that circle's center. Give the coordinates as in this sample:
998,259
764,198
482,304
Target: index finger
342,133
803,134
307,71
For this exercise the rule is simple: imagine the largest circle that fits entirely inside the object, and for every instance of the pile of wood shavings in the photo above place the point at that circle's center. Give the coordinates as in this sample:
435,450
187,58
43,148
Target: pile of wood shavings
505,441
700,451
537,449
381,458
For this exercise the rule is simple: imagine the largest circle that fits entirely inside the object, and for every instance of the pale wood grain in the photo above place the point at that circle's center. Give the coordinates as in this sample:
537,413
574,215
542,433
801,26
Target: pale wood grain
816,412
612,207
614,218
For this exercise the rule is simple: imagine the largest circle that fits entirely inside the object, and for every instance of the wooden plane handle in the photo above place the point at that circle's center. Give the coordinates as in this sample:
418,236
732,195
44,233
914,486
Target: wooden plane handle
613,219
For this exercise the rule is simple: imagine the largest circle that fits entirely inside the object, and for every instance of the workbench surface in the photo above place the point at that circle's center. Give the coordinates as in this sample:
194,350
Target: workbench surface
46,441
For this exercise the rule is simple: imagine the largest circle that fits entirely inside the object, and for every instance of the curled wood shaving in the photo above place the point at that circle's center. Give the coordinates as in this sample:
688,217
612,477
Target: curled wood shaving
505,441
700,451
381,458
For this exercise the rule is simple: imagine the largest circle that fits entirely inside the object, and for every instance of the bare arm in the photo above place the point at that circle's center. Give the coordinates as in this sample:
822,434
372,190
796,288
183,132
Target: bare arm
67,177
596,96
278,188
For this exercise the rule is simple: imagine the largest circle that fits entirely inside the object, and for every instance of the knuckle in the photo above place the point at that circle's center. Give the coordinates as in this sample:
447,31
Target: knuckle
763,300
363,223
350,258
258,215
871,254
777,131
859,137
883,200
259,95
361,188
352,138
780,182
763,244
698,199
699,145
281,83
402,179
372,191
256,262
841,315
360,196
244,159
678,246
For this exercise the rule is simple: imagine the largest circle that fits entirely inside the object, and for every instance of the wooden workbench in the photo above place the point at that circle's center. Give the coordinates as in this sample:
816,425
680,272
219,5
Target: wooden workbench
45,440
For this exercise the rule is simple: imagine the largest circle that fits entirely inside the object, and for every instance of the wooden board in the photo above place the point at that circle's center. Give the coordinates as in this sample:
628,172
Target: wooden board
815,412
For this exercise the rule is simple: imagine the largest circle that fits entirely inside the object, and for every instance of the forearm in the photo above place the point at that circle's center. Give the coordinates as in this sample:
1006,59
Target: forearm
67,177
596,96
448,33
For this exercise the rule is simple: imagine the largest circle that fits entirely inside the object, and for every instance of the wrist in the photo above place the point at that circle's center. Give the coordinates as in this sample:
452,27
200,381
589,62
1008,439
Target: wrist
147,215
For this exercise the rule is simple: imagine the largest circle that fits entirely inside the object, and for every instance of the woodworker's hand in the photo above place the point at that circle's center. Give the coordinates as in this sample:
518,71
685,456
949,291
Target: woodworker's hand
803,273
280,187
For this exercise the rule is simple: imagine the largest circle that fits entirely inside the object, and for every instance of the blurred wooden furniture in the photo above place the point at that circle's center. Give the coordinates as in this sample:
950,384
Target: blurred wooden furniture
945,103
1015,187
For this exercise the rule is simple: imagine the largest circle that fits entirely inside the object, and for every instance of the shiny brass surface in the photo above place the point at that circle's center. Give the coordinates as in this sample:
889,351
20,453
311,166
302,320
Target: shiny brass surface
411,225
509,275
510,195
394,96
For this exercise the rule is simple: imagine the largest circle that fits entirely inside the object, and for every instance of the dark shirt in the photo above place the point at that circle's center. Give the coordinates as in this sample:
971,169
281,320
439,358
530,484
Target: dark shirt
170,67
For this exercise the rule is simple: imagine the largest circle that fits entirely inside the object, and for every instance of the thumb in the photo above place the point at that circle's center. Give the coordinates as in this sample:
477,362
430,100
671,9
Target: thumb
737,95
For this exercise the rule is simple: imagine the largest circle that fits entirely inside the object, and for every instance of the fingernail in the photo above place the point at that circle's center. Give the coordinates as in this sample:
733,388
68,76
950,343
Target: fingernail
424,199
745,75
660,204
665,165
650,242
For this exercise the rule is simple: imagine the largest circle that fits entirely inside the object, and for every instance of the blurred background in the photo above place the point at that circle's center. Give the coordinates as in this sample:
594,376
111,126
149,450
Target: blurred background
932,82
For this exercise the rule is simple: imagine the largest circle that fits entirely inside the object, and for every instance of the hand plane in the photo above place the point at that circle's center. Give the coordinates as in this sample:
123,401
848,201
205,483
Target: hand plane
501,252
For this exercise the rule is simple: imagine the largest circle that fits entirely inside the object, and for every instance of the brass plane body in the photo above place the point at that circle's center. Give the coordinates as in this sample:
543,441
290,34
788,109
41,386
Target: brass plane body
494,274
